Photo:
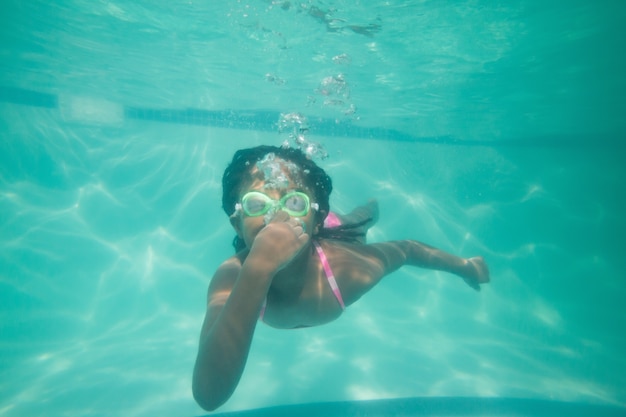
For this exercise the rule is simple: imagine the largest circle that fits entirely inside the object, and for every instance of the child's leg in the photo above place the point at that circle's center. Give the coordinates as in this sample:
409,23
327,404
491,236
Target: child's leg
360,214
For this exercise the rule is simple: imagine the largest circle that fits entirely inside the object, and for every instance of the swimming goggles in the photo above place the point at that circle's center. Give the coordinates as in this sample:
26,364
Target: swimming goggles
295,203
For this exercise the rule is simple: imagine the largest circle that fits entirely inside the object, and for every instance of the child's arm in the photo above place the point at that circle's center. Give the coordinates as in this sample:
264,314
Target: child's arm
473,270
374,261
410,252
236,295
235,298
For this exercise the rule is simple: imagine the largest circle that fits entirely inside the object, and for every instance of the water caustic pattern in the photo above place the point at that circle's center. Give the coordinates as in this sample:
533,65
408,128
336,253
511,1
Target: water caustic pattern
109,237
83,274
110,218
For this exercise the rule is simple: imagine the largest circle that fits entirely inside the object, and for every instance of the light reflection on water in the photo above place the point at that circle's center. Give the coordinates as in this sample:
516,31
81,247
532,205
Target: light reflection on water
105,276
110,229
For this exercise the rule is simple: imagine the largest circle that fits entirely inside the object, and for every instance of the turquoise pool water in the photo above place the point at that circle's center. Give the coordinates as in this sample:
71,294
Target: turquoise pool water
483,129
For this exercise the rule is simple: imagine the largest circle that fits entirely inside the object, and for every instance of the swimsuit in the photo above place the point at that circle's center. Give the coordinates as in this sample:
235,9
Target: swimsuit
329,274
332,220
330,277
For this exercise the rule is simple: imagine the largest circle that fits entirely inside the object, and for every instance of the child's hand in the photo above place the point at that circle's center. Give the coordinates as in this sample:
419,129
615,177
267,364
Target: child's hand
281,240
476,272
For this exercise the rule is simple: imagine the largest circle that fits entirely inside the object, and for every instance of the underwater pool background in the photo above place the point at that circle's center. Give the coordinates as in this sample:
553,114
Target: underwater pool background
497,130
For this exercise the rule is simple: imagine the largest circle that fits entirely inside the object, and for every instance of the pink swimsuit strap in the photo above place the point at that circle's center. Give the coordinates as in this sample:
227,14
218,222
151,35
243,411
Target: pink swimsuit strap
329,276
332,220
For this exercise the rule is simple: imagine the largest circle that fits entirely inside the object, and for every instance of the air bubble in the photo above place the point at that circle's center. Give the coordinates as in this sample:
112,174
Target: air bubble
297,127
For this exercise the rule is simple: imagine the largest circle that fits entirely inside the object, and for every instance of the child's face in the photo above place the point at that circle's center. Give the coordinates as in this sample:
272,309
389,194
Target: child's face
274,180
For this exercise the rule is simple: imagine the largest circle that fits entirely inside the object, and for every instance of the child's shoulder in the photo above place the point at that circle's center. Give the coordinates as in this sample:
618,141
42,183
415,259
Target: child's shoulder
339,243
334,246
228,270
232,263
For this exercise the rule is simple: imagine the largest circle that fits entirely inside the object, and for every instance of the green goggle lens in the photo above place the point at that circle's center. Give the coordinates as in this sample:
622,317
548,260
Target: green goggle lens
295,203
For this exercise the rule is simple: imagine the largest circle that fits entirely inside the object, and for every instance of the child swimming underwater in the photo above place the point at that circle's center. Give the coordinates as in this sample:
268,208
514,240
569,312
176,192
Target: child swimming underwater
297,264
